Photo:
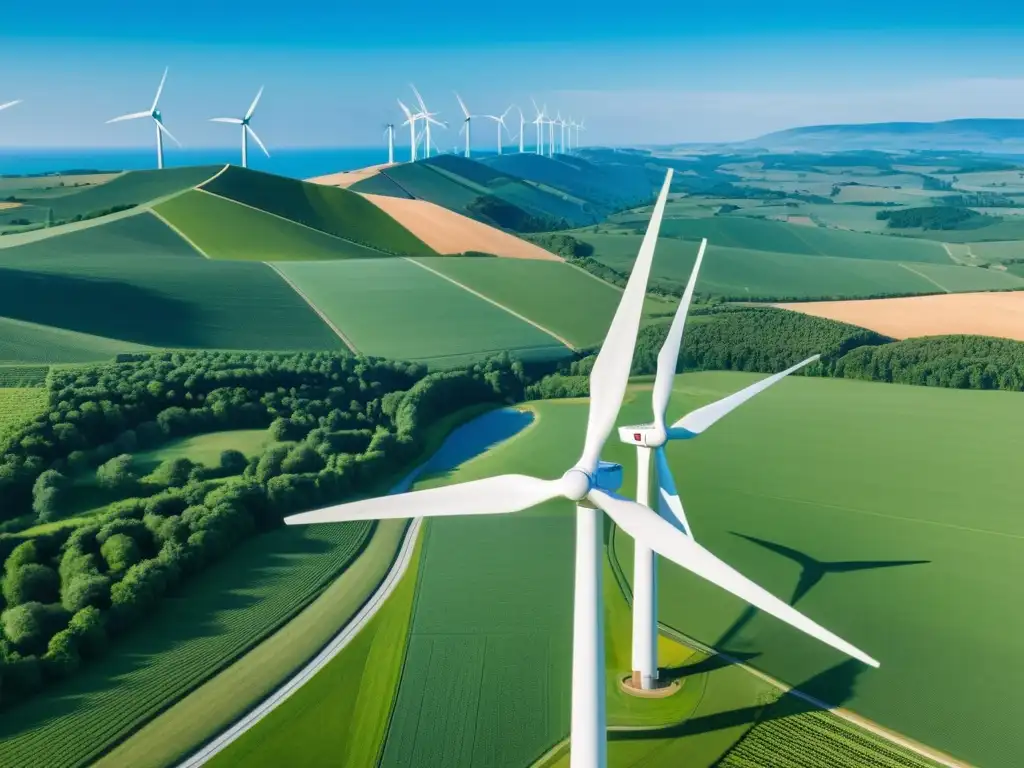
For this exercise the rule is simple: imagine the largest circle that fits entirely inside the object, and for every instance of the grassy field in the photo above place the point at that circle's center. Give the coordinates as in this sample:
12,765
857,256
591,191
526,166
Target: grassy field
74,282
32,343
134,187
22,375
1010,228
332,210
202,629
19,404
998,251
128,235
377,303
423,182
779,237
224,229
561,298
739,273
205,449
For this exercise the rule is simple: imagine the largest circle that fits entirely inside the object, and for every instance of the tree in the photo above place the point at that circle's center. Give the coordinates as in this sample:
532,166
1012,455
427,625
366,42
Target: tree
301,459
47,493
90,632
117,475
84,590
173,473
32,582
24,554
120,553
30,626
232,462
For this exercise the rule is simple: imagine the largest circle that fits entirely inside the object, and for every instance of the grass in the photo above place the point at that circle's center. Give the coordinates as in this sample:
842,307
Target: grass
1010,228
205,449
329,209
738,273
20,404
134,187
395,308
561,298
32,343
224,229
999,251
421,181
23,375
206,626
77,282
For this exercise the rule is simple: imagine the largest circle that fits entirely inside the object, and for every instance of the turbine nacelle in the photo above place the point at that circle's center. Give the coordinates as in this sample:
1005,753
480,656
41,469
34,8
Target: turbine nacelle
652,435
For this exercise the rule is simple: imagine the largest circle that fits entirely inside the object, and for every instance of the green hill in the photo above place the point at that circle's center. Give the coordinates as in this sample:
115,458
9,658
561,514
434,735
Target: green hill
335,211
31,343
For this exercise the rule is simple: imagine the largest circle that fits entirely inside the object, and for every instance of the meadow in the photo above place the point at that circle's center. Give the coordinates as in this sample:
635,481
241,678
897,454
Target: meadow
203,628
551,293
377,303
224,229
19,404
335,211
32,343
13,375
72,282
126,235
205,449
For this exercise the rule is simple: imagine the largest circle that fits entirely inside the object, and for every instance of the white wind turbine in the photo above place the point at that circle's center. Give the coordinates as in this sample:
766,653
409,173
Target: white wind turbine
410,120
246,128
560,122
389,131
654,436
538,121
551,133
158,118
522,124
579,127
466,122
428,119
590,484
501,124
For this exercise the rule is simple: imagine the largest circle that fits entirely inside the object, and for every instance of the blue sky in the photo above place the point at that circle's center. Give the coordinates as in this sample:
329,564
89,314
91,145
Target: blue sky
655,72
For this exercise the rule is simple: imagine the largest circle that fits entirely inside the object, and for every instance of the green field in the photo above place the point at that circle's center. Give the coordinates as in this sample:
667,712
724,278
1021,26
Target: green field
738,273
561,298
129,235
998,251
779,237
13,375
32,343
74,282
202,629
132,188
332,210
378,303
1010,228
19,404
224,229
424,183
205,449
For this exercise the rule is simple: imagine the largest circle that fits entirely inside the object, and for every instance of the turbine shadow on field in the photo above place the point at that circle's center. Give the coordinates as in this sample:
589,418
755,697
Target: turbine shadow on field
192,612
833,687
707,664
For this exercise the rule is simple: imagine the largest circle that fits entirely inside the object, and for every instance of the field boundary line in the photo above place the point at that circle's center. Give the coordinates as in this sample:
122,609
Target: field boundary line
488,299
192,244
296,223
921,274
218,173
330,324
949,252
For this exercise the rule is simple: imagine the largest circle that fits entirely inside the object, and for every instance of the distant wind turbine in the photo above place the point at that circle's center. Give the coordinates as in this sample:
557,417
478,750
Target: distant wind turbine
410,120
551,134
389,131
158,118
428,118
538,121
466,123
580,126
246,128
501,124
522,123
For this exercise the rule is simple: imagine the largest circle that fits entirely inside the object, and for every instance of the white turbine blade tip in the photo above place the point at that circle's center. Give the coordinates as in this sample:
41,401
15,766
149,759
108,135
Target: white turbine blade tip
699,420
132,116
252,133
252,107
659,535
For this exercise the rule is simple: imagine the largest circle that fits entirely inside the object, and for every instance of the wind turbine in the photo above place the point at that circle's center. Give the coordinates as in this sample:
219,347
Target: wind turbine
560,122
654,436
590,483
158,118
551,133
522,123
538,121
389,131
410,120
466,123
246,128
579,127
501,124
428,118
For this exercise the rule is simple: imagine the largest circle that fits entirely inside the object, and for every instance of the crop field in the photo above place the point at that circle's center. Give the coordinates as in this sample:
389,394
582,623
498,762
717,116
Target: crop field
997,251
328,209
19,404
869,193
127,235
745,274
60,183
196,633
1009,228
754,234
1004,182
561,298
224,229
894,489
162,301
31,343
380,184
955,279
132,188
423,182
376,303
22,375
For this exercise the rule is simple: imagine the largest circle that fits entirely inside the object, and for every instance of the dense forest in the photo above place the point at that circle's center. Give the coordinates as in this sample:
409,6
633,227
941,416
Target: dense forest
934,217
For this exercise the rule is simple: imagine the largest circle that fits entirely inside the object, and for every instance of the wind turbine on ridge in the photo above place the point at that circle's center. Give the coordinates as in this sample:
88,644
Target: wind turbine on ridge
466,123
551,133
522,123
389,131
246,128
591,484
501,124
654,436
538,121
410,120
158,118
428,118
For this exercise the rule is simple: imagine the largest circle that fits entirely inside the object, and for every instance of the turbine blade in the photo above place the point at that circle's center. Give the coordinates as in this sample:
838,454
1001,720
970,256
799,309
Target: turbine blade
10,104
257,139
405,109
170,135
668,497
668,357
252,107
232,120
418,97
462,104
697,421
652,531
159,90
492,496
132,116
610,373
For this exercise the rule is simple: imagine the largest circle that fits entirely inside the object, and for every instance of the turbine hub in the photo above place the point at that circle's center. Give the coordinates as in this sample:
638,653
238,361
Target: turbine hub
576,484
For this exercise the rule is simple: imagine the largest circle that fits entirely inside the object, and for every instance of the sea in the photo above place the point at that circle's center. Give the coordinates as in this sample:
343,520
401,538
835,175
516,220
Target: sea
296,163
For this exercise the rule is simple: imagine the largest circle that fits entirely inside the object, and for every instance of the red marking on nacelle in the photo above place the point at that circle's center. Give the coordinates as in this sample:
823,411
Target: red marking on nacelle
637,436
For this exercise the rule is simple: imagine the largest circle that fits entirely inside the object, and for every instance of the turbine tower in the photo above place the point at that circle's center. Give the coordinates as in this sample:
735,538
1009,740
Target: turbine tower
158,118
501,124
428,118
246,128
591,485
538,121
551,134
653,436
410,120
522,124
389,131
560,122
466,123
